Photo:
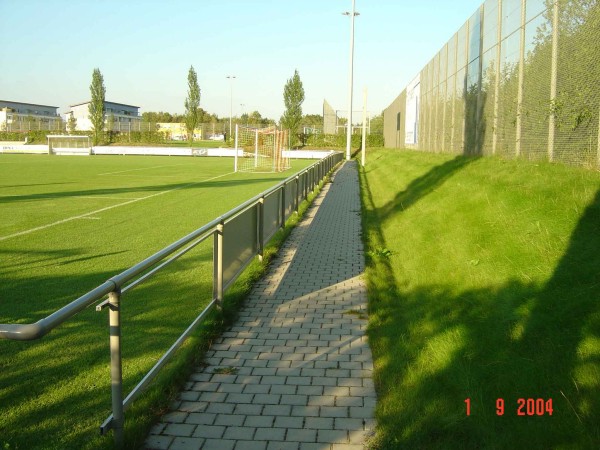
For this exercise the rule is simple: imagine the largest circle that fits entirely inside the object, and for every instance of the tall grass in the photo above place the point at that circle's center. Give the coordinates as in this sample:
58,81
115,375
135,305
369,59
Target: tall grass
484,284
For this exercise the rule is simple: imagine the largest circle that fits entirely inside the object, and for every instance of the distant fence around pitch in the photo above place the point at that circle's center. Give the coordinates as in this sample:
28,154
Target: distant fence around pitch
518,79
238,237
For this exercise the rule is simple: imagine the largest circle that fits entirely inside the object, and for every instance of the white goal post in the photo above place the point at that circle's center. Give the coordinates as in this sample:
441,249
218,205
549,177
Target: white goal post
69,145
260,149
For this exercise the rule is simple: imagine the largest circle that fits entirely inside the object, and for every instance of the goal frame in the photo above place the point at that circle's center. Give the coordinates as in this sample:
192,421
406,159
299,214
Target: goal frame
277,161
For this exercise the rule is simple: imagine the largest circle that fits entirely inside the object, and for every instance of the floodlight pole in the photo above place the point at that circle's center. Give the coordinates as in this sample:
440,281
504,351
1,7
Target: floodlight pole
231,78
364,127
349,125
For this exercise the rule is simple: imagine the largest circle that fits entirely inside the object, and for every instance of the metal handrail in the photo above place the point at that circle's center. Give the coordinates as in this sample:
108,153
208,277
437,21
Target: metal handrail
115,286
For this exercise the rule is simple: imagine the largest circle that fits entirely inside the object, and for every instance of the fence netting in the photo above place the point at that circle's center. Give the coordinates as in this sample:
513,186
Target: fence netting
521,78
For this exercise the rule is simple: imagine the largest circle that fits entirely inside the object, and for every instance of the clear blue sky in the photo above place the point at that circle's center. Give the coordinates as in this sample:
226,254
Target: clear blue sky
48,50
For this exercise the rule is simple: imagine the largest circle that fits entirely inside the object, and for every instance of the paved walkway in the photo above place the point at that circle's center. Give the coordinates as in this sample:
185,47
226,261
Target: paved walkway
295,370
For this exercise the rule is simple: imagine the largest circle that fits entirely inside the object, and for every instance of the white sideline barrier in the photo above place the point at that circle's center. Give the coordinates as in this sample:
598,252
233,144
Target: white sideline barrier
160,151
196,151
22,148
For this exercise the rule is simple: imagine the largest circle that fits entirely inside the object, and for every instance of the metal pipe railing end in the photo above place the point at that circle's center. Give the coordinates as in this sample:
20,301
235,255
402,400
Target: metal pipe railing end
22,332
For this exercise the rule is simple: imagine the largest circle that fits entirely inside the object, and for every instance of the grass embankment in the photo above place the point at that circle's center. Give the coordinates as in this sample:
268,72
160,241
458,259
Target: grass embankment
484,284
106,214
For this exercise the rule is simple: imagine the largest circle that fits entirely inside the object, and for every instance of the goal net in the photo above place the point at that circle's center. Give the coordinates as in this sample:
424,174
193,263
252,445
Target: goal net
69,145
260,149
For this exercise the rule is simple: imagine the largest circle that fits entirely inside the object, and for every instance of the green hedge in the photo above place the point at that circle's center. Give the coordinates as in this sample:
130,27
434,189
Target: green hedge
339,140
135,137
33,137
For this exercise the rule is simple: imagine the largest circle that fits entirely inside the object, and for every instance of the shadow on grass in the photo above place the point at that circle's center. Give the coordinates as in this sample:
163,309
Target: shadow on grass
434,347
138,189
422,186
59,387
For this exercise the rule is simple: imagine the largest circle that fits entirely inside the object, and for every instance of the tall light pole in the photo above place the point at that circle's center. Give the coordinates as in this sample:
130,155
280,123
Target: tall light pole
349,126
231,78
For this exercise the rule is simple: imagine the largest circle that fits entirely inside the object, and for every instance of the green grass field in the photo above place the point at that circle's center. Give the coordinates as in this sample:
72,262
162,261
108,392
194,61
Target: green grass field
484,284
68,224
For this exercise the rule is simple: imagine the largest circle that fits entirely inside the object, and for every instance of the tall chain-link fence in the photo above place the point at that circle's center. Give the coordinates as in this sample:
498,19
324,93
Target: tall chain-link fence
521,78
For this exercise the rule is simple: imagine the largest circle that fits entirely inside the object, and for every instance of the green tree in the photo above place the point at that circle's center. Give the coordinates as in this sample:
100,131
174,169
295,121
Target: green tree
313,120
377,124
96,107
71,123
293,96
192,104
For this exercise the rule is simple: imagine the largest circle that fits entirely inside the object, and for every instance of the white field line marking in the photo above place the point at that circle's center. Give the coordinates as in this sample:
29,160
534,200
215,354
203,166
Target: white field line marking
90,218
58,222
108,198
133,175
141,168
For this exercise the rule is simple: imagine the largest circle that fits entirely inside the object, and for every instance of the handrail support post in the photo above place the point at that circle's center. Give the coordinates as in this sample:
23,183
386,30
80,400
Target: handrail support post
261,225
218,265
116,374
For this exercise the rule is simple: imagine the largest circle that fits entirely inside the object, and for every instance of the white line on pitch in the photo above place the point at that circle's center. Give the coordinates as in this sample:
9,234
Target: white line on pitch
58,222
90,218
108,198
141,168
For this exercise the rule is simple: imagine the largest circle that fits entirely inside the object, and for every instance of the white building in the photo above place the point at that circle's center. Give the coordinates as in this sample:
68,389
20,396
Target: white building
119,117
16,116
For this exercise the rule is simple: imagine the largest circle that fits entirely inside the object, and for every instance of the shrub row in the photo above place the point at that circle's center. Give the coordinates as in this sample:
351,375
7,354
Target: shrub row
339,140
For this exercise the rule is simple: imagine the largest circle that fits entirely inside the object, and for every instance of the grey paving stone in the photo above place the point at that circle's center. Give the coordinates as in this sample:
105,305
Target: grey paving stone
248,410
250,445
282,446
209,431
310,390
289,422
333,436
175,417
348,424
321,400
218,444
239,433
179,429
305,411
230,419
294,400
283,389
294,435
319,423
201,418
315,446
154,442
187,443
270,434
220,408
259,421
267,399
334,411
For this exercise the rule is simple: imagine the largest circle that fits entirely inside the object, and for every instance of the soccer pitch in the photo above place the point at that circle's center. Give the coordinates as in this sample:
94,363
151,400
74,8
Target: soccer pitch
70,223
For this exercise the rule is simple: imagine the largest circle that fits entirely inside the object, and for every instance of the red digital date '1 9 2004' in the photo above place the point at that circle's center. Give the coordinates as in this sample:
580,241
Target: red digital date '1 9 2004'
525,407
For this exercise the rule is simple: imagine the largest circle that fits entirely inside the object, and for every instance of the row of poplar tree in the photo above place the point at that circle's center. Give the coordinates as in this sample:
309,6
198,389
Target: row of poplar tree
293,97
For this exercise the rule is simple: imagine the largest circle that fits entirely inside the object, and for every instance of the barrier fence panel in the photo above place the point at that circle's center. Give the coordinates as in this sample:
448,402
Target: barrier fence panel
238,236
240,244
272,215
289,199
